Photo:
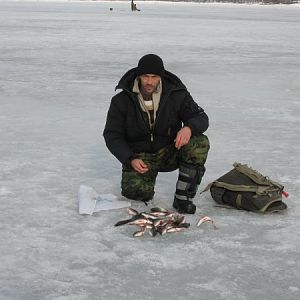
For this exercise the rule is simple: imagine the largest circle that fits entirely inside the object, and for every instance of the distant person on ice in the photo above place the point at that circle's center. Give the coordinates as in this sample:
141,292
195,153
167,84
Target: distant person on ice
133,6
154,125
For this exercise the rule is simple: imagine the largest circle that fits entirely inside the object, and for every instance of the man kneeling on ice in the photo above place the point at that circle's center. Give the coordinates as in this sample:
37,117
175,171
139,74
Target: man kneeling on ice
154,125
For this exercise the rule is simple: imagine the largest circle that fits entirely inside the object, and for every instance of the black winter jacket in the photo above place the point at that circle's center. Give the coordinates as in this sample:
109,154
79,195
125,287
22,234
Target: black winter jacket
127,130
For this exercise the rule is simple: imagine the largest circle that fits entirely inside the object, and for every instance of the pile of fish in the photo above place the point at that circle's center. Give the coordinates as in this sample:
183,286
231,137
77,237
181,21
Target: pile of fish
158,221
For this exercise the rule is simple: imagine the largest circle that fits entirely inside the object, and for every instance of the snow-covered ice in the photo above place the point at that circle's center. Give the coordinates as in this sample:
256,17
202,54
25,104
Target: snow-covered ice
59,64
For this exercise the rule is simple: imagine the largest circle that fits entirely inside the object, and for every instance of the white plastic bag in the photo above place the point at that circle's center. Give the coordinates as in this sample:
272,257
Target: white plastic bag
90,201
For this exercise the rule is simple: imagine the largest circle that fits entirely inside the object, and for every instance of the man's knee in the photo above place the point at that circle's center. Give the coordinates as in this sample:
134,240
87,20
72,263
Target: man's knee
195,152
137,187
138,195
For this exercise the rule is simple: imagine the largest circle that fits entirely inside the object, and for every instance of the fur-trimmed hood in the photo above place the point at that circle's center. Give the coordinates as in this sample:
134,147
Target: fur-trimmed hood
169,81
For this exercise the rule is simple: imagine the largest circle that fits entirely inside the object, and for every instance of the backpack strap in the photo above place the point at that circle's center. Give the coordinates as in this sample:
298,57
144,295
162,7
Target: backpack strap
238,201
259,190
256,176
207,187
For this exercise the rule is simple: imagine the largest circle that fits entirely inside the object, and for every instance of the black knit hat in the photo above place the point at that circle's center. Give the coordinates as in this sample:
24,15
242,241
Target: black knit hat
151,64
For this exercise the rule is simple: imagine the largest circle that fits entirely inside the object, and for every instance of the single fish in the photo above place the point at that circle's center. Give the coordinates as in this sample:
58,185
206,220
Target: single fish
123,222
149,226
183,225
159,214
159,222
159,209
170,226
206,219
149,215
133,218
140,222
139,233
172,215
174,229
132,211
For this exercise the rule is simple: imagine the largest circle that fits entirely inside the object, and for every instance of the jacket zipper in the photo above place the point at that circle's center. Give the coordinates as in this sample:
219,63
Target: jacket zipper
150,131
163,104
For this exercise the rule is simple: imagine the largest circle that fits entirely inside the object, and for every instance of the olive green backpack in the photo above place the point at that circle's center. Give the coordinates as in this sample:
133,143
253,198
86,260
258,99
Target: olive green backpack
247,189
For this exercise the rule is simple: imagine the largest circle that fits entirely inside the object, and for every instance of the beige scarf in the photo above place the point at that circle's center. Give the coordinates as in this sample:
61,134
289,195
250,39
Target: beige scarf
148,105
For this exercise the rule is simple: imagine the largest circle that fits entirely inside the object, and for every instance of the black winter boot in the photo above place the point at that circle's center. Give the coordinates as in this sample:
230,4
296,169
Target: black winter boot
186,188
184,206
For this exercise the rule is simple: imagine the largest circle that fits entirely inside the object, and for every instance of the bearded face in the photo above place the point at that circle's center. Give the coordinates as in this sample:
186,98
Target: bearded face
149,83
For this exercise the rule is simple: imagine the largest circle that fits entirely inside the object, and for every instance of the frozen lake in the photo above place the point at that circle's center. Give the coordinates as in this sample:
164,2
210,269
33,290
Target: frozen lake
59,64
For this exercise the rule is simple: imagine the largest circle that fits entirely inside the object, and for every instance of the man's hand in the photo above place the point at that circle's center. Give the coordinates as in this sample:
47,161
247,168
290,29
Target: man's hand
183,137
139,166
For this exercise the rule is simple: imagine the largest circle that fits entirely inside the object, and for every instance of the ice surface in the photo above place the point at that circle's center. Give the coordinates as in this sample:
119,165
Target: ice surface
59,64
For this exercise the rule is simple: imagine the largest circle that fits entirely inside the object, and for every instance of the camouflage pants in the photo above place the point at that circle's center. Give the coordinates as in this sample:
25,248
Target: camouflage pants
138,186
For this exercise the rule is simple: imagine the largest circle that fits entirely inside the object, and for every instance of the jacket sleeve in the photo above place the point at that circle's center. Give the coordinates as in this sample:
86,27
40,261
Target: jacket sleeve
193,115
114,134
